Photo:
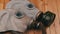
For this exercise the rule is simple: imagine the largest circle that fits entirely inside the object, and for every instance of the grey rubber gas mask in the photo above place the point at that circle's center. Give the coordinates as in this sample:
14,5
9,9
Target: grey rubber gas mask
17,15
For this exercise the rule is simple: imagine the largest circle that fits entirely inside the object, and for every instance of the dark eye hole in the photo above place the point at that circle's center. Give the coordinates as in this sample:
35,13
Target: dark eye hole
19,15
30,6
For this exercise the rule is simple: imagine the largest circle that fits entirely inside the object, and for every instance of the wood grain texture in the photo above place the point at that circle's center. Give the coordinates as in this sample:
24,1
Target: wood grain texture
3,4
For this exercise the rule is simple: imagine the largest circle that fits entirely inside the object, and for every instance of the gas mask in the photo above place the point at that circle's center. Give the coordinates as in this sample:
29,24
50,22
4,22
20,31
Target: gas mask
17,15
21,15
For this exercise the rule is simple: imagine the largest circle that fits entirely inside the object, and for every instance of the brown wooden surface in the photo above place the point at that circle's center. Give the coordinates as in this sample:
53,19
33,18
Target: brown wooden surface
3,4
45,5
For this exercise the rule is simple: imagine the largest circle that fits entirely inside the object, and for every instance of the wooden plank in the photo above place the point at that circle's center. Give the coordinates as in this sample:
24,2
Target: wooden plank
58,8
53,8
48,31
1,4
1,1
49,8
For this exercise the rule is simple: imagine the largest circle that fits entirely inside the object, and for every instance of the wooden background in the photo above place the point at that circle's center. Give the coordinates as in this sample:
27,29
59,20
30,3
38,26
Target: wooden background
3,4
45,5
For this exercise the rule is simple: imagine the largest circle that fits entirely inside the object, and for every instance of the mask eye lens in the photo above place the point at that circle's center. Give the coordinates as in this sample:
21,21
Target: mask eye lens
30,6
